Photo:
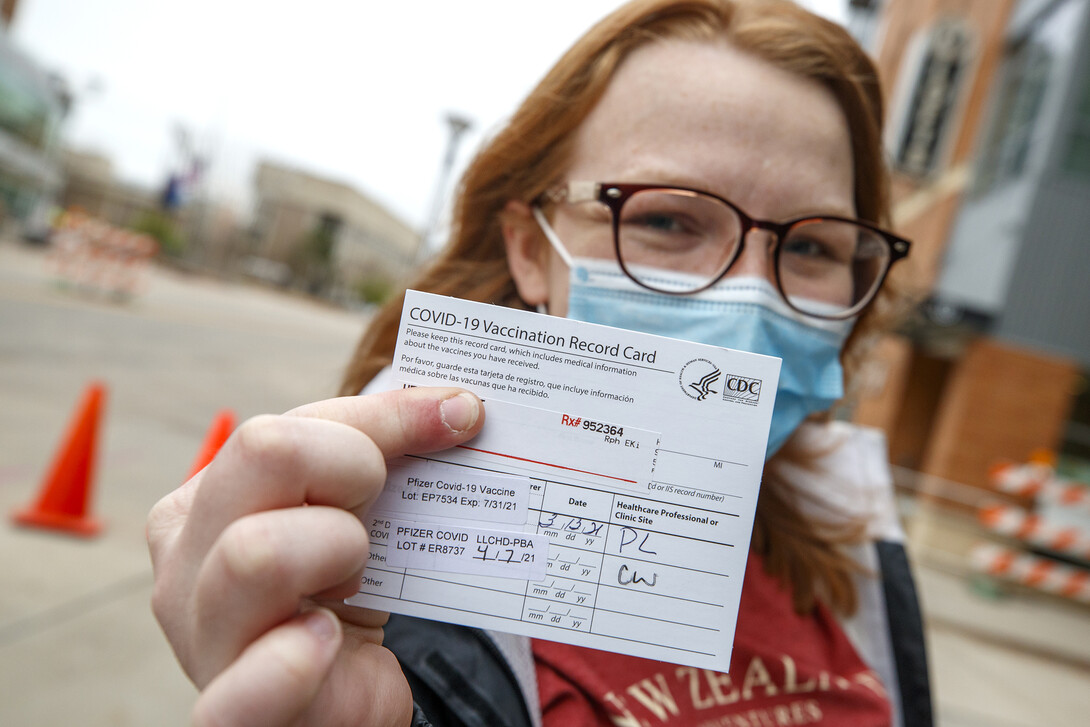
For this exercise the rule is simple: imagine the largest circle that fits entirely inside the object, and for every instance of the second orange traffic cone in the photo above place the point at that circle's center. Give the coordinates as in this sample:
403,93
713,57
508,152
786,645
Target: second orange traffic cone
218,432
64,501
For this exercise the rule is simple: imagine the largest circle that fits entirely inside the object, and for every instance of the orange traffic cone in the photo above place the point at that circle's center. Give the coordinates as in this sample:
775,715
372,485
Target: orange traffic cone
222,426
64,499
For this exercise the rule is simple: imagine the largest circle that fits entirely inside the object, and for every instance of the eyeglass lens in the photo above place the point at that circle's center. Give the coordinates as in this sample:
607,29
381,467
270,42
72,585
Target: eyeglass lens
826,268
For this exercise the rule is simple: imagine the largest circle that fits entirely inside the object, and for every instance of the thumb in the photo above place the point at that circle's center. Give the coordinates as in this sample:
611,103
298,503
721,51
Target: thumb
276,678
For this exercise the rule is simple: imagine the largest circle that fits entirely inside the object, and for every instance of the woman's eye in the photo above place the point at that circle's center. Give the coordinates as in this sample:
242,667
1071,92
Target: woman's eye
806,247
659,221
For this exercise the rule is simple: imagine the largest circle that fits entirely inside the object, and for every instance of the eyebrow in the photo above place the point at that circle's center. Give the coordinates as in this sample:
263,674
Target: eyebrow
675,179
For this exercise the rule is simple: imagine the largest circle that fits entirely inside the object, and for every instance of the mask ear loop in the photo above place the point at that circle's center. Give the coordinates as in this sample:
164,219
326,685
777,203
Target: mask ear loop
557,245
551,236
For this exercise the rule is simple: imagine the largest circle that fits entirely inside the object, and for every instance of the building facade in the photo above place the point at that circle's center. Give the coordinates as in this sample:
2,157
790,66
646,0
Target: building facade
33,104
989,141
91,187
303,220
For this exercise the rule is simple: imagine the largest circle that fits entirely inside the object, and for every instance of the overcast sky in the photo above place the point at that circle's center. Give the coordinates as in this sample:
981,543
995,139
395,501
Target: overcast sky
356,91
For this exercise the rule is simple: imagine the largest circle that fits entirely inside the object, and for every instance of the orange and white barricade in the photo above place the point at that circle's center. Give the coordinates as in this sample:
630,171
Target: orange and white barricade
1032,571
96,257
129,256
1014,522
70,250
1039,481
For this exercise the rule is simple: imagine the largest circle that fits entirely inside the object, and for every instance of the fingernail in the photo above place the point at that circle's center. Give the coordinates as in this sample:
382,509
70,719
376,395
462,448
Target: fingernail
460,412
322,623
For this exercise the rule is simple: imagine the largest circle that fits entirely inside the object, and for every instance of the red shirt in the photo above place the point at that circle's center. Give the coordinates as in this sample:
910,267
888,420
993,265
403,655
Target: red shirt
785,670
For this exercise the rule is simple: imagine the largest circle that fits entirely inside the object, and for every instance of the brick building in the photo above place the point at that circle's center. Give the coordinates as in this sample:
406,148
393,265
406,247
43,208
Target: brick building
989,140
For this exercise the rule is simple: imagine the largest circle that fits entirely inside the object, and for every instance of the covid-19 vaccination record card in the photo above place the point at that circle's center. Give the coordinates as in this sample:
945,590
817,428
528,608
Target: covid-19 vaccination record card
608,501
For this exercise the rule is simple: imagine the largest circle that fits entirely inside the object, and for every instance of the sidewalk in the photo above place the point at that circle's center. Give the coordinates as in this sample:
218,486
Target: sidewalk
1000,656
78,644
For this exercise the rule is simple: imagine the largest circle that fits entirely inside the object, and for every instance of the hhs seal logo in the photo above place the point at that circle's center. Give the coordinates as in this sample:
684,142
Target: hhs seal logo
698,377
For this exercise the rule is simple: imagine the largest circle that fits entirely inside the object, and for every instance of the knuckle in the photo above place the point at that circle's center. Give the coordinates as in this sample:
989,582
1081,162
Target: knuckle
155,530
169,610
294,661
164,519
162,602
159,517
374,618
160,530
266,441
205,715
250,553
354,532
393,702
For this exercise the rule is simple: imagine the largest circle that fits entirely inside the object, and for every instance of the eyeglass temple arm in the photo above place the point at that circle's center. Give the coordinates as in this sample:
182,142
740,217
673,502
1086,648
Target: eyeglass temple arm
574,192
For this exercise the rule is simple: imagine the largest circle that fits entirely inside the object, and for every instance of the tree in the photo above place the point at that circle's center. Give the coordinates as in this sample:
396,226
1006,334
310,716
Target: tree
161,227
312,260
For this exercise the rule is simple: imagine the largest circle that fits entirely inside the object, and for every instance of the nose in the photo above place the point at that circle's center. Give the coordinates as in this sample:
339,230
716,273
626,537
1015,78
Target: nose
755,259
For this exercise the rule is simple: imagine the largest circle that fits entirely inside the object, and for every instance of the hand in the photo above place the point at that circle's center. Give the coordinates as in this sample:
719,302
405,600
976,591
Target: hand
253,554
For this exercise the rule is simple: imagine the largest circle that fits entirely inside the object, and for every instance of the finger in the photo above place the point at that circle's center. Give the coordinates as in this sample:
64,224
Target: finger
276,679
365,618
415,420
261,567
365,687
330,453
169,599
167,517
282,462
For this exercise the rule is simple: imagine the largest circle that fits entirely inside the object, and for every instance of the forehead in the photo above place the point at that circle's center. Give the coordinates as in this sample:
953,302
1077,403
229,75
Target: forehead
707,115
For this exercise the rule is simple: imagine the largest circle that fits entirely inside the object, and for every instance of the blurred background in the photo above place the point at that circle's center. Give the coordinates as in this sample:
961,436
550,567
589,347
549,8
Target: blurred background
201,204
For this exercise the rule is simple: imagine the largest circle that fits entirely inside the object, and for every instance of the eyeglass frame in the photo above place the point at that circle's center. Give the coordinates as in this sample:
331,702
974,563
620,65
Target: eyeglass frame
614,195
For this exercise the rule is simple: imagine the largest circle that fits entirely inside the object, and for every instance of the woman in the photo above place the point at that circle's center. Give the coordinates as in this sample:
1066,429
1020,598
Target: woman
636,186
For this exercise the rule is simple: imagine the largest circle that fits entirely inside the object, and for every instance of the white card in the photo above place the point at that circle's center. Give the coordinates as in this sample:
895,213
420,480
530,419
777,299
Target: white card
608,501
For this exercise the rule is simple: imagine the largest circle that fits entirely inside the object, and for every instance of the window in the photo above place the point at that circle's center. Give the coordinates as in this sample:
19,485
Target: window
942,72
24,113
1024,79
1076,160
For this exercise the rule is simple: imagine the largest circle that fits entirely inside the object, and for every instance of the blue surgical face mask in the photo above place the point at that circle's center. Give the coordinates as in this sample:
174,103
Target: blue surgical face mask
743,313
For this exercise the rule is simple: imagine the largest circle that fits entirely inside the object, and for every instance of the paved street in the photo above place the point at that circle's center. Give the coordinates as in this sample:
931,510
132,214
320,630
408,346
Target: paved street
78,644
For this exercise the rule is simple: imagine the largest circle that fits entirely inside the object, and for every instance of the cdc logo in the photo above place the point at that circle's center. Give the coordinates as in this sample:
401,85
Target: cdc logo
742,390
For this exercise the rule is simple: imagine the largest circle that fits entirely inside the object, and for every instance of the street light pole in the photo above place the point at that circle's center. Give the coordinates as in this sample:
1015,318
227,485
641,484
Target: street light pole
457,125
